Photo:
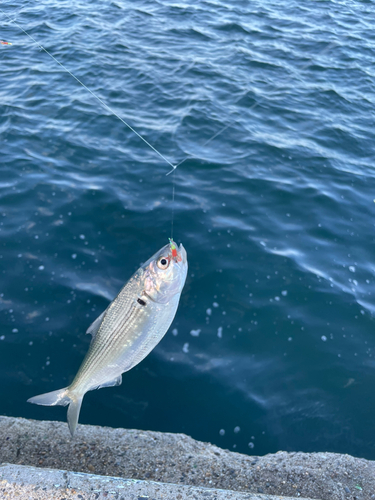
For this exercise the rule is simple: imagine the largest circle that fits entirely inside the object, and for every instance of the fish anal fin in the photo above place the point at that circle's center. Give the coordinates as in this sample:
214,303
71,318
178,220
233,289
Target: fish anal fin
111,383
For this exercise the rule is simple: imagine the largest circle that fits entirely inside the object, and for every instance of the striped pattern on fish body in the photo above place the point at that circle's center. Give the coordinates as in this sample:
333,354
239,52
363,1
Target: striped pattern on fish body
127,331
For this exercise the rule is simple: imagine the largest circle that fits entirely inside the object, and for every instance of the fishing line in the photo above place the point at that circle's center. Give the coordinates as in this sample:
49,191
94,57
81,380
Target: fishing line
236,121
203,145
105,106
214,136
89,90
174,167
173,192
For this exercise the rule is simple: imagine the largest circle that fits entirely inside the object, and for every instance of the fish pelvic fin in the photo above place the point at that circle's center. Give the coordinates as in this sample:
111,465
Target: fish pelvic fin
62,397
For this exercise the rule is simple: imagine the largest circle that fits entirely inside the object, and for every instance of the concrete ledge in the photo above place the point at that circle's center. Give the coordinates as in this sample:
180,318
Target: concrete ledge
180,460
23,482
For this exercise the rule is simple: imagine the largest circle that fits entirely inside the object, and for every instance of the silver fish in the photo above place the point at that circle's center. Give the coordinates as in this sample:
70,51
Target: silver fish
127,331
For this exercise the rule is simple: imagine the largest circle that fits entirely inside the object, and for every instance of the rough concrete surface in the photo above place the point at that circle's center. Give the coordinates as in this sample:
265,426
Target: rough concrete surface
179,459
27,482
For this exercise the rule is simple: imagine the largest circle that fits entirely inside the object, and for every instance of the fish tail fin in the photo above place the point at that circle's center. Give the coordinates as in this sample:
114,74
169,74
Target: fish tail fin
73,413
62,397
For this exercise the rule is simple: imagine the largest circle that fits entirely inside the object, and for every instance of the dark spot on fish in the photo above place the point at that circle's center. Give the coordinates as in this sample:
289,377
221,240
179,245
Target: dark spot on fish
142,302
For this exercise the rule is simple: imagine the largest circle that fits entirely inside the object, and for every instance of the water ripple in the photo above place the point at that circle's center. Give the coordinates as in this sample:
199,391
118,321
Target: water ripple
274,204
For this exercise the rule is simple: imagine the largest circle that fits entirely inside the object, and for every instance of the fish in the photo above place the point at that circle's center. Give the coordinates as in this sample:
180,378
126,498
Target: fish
128,330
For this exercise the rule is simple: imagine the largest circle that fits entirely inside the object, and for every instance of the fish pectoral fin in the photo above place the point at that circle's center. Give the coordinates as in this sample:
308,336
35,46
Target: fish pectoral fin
111,383
94,327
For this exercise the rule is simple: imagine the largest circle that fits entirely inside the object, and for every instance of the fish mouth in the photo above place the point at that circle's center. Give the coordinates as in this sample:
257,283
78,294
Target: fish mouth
183,254
177,254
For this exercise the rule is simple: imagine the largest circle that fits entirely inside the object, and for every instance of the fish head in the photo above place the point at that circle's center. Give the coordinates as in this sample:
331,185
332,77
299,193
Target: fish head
165,273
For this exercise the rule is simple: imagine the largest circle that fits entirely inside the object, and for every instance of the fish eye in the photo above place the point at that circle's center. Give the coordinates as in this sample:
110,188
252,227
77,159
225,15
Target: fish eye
163,263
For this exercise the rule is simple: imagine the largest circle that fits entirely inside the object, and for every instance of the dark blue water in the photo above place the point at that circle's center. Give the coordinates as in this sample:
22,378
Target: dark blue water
273,344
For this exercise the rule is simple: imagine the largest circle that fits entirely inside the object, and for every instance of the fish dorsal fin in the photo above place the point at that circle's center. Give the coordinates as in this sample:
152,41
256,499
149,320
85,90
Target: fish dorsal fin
94,327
